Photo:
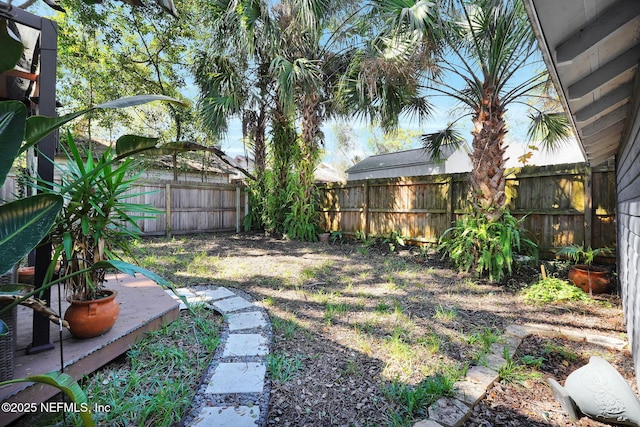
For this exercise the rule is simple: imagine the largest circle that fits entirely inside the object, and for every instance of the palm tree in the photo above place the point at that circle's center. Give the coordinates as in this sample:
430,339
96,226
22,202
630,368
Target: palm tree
486,43
306,60
232,72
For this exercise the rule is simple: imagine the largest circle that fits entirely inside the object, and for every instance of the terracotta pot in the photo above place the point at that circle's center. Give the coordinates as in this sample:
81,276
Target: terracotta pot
324,237
594,279
26,275
88,319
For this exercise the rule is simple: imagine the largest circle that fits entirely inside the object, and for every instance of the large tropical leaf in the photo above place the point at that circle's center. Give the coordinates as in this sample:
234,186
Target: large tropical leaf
40,126
13,115
66,384
23,224
131,270
128,144
12,48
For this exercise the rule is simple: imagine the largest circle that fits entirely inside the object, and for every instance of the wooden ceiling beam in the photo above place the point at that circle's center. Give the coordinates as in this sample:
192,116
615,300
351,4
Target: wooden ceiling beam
597,30
612,69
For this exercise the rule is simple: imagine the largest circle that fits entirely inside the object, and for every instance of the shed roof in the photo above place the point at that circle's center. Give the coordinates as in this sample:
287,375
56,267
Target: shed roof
397,159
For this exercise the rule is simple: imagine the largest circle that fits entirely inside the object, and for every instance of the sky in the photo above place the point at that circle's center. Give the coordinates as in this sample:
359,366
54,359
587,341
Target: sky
444,113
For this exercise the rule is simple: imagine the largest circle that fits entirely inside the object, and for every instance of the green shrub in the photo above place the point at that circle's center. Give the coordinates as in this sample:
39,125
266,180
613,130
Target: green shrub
553,289
487,247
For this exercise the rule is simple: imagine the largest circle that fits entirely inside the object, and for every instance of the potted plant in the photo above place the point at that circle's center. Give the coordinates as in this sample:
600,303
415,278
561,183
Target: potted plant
25,222
96,223
583,274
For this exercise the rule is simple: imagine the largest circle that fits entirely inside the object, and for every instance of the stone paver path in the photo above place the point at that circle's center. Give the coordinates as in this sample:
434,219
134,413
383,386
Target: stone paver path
238,366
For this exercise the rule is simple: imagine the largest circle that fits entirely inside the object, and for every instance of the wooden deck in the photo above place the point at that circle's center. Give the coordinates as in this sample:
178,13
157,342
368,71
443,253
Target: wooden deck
144,306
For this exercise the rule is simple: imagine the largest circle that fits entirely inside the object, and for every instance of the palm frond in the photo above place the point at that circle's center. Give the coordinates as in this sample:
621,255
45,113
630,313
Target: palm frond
551,129
433,143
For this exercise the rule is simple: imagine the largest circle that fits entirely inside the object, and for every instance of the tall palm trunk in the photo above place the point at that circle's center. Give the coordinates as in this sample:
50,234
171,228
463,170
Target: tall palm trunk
309,151
309,154
487,176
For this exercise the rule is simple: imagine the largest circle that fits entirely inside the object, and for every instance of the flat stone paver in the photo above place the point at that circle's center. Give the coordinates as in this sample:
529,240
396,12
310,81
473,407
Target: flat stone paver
237,378
241,416
245,345
247,320
216,294
231,304
469,392
482,375
449,412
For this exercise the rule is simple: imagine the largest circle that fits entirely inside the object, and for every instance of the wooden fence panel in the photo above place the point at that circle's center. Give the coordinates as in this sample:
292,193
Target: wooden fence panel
563,204
190,208
603,232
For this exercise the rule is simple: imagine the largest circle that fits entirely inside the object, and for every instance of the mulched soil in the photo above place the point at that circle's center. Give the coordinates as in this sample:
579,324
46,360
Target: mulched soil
347,364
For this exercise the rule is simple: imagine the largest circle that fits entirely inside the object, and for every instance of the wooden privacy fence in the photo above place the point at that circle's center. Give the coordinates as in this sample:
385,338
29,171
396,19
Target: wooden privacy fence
563,204
191,207
183,207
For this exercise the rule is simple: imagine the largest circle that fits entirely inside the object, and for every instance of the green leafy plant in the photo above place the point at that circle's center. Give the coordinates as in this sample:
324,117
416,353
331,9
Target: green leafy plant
486,246
550,348
282,367
65,384
413,400
336,236
514,372
553,289
581,255
96,223
360,235
394,239
25,222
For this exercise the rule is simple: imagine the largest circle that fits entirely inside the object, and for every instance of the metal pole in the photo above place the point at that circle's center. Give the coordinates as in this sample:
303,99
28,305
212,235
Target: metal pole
41,340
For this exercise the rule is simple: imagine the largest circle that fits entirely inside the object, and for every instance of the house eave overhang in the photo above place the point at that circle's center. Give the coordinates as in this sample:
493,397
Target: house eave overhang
592,51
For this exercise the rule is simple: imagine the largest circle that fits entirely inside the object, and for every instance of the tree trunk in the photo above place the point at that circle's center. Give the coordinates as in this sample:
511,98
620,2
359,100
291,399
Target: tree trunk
487,176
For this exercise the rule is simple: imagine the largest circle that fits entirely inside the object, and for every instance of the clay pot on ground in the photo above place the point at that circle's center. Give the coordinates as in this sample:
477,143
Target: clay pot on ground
590,279
91,318
324,237
26,275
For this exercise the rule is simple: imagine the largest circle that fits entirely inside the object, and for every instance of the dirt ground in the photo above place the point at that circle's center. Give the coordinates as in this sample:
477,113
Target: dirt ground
352,320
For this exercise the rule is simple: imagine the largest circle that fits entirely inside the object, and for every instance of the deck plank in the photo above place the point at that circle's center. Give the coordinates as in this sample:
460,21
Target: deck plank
144,306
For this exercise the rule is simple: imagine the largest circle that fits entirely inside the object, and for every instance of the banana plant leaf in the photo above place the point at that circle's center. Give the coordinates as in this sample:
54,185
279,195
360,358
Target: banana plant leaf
67,385
12,48
40,126
13,117
131,144
23,224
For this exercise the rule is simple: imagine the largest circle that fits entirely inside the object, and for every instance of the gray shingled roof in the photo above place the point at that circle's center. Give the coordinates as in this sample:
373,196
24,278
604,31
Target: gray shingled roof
398,159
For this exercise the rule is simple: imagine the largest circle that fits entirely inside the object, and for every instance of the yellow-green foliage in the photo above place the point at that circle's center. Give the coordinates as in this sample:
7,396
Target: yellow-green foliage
553,289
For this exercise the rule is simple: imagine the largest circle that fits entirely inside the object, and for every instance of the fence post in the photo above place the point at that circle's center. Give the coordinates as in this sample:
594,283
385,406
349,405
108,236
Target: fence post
588,206
365,209
167,209
237,209
246,205
450,200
